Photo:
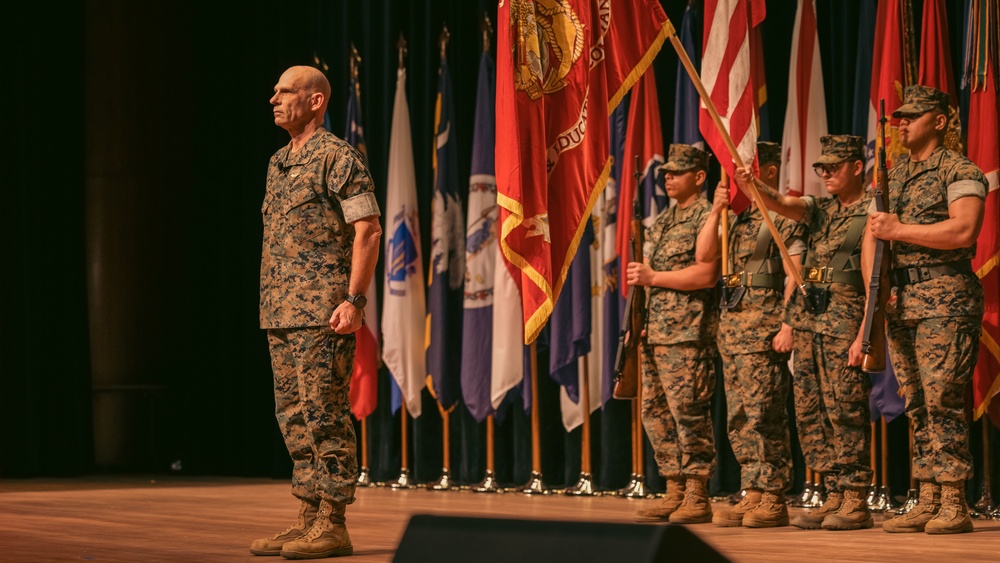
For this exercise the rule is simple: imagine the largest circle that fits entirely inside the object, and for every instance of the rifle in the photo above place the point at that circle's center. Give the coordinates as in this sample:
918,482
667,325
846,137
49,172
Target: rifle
627,361
873,334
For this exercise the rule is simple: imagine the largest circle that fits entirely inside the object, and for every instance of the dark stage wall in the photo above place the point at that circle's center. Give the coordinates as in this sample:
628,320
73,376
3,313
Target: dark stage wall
136,138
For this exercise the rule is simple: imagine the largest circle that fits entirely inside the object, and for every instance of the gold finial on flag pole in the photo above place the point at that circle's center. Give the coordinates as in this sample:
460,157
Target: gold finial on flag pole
487,27
355,61
401,47
443,41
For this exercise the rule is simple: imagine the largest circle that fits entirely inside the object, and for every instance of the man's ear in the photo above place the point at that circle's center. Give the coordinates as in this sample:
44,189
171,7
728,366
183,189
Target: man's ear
316,101
769,172
700,177
941,121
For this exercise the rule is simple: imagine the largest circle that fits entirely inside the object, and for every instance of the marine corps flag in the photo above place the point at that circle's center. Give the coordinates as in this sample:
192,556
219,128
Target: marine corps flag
562,67
893,70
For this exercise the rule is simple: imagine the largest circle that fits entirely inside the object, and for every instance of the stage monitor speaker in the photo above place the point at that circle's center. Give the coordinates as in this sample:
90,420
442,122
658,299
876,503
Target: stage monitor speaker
446,539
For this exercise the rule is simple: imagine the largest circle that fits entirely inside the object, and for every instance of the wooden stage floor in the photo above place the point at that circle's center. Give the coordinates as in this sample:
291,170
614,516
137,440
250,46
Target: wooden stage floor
130,519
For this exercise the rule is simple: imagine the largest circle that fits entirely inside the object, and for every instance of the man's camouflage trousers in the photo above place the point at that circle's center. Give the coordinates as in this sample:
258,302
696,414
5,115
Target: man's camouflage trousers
677,385
312,374
756,394
831,411
934,360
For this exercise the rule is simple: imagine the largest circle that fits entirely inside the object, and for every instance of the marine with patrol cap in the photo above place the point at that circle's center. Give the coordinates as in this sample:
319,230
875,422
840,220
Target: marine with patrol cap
936,201
678,370
830,390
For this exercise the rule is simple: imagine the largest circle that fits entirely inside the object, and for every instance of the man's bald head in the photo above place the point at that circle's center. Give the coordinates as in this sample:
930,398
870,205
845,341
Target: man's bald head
300,99
310,79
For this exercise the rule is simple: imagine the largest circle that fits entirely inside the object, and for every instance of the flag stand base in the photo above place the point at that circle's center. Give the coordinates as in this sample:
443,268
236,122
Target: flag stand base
911,501
803,500
364,477
984,506
403,481
583,487
444,483
636,488
535,485
885,500
488,484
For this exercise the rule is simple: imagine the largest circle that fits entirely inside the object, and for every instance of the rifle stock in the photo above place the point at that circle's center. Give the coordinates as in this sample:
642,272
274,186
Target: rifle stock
627,360
873,331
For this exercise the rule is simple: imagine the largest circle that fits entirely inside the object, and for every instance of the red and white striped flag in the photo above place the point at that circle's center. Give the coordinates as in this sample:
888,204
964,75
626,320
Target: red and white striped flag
805,114
726,74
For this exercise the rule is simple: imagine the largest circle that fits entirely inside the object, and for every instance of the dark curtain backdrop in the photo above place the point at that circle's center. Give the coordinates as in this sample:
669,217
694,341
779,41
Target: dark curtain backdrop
137,137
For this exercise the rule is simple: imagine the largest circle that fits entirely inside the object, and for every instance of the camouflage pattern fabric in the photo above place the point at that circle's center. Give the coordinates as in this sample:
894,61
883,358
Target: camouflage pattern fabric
312,374
918,99
756,391
677,386
831,409
678,316
311,200
768,153
934,359
840,148
682,158
827,222
751,325
918,194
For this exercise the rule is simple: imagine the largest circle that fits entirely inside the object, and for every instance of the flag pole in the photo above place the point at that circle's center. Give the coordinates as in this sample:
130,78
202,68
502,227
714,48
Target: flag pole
445,483
585,486
752,187
489,483
535,486
364,475
984,507
885,495
724,179
633,481
872,499
403,481
912,494
638,489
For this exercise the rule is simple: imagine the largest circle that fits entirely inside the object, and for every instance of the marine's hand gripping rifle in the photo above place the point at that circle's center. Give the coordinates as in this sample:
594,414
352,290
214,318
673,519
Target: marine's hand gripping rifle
627,360
873,333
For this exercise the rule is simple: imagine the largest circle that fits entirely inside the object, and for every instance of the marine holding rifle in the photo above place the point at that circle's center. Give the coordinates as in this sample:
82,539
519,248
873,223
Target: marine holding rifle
678,376
754,346
935,211
830,390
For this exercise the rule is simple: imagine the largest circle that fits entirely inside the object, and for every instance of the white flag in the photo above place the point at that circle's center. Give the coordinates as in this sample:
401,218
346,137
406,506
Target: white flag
805,114
403,307
507,366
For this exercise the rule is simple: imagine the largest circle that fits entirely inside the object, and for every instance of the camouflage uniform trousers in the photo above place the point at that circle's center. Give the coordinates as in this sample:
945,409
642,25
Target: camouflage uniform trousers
831,410
312,373
677,385
934,359
756,394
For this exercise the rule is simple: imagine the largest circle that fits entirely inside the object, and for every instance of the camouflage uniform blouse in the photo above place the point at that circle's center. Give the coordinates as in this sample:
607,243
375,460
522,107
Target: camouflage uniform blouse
918,193
312,198
827,222
750,326
678,316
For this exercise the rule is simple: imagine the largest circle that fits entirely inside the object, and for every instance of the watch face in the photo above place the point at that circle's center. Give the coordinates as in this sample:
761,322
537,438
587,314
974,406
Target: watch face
358,301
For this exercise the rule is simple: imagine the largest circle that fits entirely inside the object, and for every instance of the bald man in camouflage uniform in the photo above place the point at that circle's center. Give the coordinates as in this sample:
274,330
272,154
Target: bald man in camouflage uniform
831,391
682,318
754,359
321,242
936,202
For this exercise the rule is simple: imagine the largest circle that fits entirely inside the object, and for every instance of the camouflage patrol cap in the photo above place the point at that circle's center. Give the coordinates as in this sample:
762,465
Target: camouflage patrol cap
841,148
768,152
685,157
919,99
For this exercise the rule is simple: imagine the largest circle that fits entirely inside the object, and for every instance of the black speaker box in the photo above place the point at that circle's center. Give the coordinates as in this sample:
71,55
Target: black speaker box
444,539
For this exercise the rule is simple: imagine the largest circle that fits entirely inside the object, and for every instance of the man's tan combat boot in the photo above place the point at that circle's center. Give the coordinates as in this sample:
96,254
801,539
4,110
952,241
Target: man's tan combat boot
853,513
734,516
326,538
927,507
667,505
695,508
770,512
273,544
953,518
813,519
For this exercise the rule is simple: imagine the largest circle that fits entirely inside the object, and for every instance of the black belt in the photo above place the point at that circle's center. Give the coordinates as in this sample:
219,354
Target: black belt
771,281
917,274
829,275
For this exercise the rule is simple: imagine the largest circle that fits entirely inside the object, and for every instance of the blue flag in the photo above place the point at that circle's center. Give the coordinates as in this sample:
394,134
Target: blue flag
480,250
570,322
687,100
614,302
445,281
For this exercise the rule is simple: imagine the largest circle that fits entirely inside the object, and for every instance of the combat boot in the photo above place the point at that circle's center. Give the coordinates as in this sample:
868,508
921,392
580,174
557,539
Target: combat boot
770,512
813,519
667,505
326,538
734,516
695,508
852,515
953,518
272,545
927,507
